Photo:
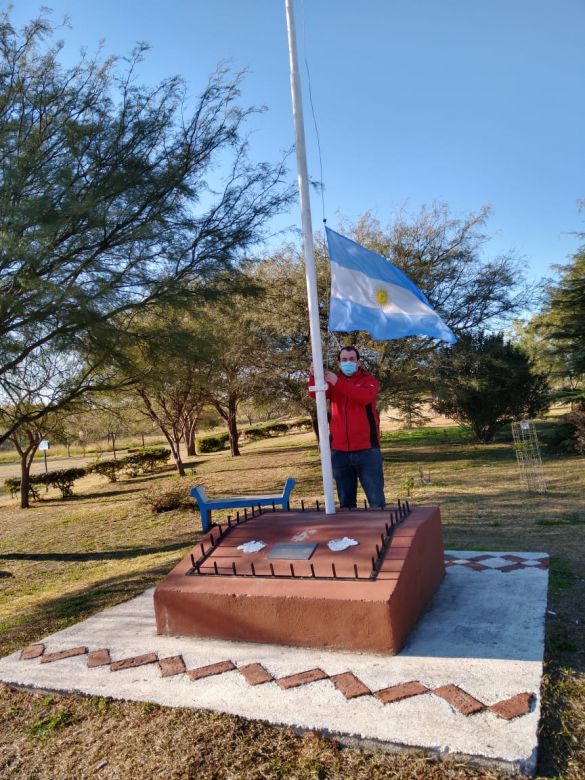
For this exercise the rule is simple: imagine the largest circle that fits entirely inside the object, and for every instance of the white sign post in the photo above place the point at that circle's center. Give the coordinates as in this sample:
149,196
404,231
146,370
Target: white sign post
43,447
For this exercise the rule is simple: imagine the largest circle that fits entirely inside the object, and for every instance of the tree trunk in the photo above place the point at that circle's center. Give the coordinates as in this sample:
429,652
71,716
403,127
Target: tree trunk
233,428
24,482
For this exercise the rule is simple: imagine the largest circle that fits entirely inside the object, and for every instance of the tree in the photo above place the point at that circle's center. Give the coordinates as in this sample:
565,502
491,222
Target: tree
484,381
559,329
39,378
106,208
443,255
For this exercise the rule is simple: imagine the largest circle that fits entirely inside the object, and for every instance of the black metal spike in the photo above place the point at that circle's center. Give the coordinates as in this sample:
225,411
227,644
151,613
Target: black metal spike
312,570
317,505
383,539
212,540
333,570
259,509
253,569
373,564
292,570
253,512
229,521
245,514
237,517
273,507
192,560
272,570
377,551
355,571
202,549
365,504
215,567
234,567
407,505
387,528
220,531
288,506
302,505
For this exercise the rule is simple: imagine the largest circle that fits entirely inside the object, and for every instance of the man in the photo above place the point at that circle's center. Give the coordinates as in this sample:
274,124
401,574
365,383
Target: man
354,429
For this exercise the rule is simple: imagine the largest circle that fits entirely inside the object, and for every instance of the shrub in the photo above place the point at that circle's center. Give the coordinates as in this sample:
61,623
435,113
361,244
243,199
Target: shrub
146,461
108,468
213,443
62,479
13,485
171,494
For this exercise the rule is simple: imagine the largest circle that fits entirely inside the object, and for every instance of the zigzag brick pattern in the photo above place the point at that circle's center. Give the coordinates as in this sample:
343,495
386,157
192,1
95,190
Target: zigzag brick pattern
459,699
98,658
132,663
48,658
302,678
255,674
34,651
350,685
402,691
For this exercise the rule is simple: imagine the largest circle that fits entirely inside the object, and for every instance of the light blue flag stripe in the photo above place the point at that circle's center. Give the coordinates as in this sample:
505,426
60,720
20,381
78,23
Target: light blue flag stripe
348,253
369,293
347,315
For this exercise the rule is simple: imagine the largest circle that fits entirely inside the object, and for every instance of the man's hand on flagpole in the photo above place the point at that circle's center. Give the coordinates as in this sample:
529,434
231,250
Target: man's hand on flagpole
330,378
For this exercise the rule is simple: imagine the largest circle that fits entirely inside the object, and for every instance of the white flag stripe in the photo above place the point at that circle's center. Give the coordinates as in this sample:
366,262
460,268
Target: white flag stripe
348,284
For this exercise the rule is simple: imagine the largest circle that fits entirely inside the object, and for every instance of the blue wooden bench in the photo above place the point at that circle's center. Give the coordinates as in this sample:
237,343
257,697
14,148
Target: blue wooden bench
206,504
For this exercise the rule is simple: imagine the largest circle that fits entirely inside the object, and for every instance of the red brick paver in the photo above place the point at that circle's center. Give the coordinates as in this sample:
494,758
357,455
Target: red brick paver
34,651
513,707
402,691
294,680
98,658
132,663
350,685
73,651
207,671
255,674
459,699
169,667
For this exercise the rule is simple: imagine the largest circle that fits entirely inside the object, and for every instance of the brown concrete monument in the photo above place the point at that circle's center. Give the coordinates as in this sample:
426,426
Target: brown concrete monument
293,589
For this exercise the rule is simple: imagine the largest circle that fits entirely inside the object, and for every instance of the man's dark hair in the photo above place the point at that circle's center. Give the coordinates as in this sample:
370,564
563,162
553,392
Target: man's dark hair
351,348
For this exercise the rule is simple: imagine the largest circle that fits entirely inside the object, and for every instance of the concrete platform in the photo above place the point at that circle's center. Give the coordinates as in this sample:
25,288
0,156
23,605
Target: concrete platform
467,682
381,584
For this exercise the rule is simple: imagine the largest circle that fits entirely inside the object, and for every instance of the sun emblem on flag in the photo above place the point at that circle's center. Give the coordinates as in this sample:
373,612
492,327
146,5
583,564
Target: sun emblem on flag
381,296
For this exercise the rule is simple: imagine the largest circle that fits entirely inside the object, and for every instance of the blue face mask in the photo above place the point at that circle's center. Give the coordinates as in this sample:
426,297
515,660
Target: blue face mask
348,368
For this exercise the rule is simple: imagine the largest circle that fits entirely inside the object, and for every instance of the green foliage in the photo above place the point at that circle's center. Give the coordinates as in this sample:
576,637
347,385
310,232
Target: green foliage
44,726
213,443
567,435
171,494
62,479
146,461
107,209
108,468
484,382
12,484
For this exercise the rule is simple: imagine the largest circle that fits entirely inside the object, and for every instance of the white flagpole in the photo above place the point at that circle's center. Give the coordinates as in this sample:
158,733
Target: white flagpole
310,272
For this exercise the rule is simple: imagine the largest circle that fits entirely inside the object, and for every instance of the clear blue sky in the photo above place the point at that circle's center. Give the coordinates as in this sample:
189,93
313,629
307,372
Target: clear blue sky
465,101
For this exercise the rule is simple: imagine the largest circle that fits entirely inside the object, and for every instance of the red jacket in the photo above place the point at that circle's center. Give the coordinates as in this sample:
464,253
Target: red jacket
354,423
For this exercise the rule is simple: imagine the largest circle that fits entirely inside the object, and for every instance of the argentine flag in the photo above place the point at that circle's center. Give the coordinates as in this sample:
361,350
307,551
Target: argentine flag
369,293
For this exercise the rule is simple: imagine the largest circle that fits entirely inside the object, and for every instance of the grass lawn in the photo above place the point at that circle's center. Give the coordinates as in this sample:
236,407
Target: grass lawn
62,561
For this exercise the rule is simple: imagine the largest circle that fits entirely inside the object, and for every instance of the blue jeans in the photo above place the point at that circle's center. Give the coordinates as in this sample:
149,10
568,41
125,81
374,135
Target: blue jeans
365,465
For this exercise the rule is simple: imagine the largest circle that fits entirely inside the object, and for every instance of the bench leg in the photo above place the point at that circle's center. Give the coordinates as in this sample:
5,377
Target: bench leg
205,518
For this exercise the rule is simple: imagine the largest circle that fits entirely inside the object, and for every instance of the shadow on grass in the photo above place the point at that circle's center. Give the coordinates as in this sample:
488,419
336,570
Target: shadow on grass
55,614
95,556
